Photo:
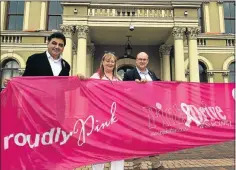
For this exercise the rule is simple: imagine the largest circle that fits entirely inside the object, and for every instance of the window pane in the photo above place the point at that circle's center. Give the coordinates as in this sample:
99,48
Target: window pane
55,8
10,64
59,8
19,22
15,73
202,72
227,26
232,67
14,64
11,23
232,10
59,22
226,10
5,74
12,7
20,7
52,22
233,26
52,8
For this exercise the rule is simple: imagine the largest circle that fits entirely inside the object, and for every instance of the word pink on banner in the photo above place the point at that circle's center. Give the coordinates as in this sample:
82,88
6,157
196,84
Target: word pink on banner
50,123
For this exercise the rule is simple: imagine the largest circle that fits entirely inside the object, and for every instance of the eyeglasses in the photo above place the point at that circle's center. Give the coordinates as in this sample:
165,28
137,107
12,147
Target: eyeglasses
142,59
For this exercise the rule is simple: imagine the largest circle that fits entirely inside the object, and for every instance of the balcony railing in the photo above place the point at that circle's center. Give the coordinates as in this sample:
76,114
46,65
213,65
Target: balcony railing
222,40
230,42
128,12
201,42
9,37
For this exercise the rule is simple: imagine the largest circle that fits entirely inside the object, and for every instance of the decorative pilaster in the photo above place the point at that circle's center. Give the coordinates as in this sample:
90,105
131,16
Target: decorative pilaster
67,30
26,15
206,15
178,33
192,33
82,34
43,15
221,16
3,15
165,53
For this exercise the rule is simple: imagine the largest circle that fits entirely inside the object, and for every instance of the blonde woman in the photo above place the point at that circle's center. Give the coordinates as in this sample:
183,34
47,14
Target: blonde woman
107,71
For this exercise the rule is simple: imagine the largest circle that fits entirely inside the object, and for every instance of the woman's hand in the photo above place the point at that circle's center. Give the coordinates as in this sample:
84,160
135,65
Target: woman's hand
141,81
81,76
5,82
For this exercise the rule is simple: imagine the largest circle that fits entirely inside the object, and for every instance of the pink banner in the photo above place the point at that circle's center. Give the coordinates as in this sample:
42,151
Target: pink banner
51,123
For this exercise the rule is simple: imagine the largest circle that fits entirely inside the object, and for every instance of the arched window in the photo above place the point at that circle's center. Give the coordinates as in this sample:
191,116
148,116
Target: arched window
9,69
121,71
202,72
232,72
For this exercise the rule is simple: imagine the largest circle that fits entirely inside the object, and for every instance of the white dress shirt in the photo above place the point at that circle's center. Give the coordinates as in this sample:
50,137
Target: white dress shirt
55,64
144,75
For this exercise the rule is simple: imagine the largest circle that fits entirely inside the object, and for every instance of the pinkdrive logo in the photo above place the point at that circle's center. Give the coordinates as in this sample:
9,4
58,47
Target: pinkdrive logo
200,115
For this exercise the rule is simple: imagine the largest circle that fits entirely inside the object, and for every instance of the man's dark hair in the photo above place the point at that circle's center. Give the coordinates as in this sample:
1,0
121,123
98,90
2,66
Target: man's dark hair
57,35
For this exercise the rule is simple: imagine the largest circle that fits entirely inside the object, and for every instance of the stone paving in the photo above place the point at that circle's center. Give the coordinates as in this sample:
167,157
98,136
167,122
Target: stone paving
215,157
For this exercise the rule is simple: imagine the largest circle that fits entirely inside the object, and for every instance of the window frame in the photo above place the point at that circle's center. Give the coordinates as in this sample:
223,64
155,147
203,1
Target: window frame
201,18
14,14
231,18
48,14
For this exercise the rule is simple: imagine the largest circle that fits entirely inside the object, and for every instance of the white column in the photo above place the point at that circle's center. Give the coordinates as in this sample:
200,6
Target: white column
226,77
178,33
67,53
210,76
221,16
26,15
43,16
74,61
90,54
3,14
165,53
82,31
206,18
192,33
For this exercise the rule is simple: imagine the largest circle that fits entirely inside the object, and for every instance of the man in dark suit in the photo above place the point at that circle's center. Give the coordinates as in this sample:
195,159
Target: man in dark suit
140,73
50,62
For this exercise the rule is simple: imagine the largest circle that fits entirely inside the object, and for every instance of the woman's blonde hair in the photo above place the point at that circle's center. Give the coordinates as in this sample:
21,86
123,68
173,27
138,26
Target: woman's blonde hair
101,72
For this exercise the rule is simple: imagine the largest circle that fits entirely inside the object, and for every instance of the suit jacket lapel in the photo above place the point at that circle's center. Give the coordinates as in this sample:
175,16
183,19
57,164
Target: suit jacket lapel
47,65
63,66
136,74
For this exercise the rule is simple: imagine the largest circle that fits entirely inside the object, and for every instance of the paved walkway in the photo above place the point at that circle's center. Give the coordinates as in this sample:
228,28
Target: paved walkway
215,157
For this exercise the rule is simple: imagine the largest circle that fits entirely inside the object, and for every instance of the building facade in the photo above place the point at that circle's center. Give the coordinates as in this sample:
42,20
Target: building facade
186,41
